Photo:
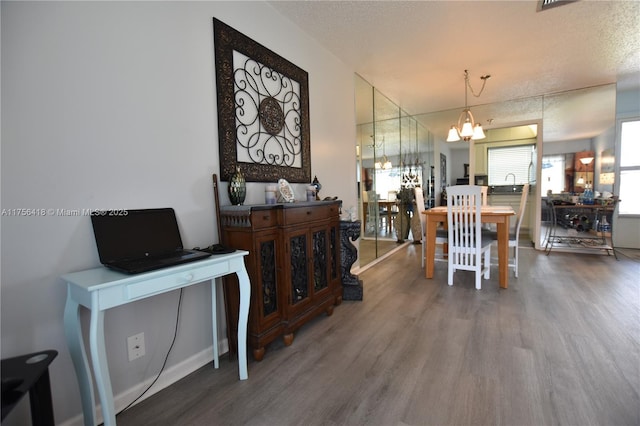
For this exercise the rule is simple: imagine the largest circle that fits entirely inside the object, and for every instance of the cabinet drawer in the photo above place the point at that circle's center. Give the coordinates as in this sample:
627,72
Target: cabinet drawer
161,284
263,219
297,215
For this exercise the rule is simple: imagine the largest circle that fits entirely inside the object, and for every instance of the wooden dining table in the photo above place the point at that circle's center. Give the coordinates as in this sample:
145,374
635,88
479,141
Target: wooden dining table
489,214
388,208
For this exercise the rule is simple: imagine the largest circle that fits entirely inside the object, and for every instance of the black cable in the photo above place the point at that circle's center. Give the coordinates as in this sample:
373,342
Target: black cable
175,335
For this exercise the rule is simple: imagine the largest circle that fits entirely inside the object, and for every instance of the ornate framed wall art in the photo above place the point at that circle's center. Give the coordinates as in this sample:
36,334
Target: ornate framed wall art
263,110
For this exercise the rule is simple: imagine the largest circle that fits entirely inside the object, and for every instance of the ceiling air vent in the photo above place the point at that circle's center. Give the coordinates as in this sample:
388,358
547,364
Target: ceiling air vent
548,4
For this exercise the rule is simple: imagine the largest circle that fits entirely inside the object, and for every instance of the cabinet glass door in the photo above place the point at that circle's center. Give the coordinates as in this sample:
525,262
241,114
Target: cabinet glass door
299,268
268,274
320,260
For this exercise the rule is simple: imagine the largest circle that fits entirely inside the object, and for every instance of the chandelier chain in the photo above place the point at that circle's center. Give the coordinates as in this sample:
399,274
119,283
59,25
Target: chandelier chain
484,79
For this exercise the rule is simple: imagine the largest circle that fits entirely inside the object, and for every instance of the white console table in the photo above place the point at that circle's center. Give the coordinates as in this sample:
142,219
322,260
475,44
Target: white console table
101,289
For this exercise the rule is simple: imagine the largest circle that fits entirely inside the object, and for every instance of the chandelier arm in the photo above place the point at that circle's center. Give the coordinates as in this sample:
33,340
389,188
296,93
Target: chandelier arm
459,126
473,121
464,113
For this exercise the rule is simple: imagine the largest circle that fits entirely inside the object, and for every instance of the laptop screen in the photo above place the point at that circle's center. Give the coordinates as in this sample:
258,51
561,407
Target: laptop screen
135,234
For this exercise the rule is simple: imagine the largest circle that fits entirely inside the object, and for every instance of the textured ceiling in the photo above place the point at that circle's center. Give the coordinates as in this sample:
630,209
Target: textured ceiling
416,52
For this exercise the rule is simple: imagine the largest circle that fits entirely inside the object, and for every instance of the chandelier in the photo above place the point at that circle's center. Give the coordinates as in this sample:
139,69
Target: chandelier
586,161
385,164
467,129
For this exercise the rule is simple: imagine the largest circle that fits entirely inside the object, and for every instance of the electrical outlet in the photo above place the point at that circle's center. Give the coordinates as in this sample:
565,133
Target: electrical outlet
135,346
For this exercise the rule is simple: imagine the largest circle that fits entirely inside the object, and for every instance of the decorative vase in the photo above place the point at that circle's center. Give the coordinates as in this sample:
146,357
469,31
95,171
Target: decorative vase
318,186
237,188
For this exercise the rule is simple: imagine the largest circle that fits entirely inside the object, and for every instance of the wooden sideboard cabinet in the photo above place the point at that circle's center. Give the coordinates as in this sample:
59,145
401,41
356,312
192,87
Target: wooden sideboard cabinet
293,266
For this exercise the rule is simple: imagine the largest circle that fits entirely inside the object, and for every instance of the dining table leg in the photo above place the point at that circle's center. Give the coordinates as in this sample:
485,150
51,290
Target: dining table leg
430,250
503,252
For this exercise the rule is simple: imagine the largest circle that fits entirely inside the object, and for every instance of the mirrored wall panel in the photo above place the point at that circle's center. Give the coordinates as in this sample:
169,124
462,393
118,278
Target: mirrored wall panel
395,156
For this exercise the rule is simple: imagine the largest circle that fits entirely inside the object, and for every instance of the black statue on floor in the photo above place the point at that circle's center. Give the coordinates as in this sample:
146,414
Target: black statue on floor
351,285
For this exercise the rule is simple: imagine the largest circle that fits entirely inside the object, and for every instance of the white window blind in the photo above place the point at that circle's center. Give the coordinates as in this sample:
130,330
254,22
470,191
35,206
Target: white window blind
512,159
629,167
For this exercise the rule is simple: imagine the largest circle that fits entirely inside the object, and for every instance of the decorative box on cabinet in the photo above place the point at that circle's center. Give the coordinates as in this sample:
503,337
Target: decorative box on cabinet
293,265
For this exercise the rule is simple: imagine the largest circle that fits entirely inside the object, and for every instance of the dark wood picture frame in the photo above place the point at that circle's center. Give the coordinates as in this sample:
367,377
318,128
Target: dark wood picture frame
443,171
269,118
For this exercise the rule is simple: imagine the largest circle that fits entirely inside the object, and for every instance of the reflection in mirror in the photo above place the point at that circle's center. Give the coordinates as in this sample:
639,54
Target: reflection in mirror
579,125
572,122
395,154
579,136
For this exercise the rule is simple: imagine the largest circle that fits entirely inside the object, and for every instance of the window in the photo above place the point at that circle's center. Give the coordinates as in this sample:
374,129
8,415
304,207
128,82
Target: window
517,160
629,167
390,180
552,174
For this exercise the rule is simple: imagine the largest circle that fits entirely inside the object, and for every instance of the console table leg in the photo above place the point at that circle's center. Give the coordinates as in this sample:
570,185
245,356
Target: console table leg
243,319
100,366
214,323
73,332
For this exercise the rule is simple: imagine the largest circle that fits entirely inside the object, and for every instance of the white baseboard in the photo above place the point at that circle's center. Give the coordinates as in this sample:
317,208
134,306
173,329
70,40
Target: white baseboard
166,379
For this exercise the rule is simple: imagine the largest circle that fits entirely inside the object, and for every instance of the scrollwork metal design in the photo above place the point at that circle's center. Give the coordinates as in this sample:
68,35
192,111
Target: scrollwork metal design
333,247
320,260
268,116
299,268
268,266
263,111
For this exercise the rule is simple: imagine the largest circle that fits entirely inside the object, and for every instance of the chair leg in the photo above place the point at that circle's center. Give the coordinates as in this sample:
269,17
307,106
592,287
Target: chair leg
450,273
487,264
477,274
424,243
515,259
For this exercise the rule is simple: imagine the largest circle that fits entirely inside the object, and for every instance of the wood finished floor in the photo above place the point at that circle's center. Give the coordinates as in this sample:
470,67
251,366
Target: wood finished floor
561,346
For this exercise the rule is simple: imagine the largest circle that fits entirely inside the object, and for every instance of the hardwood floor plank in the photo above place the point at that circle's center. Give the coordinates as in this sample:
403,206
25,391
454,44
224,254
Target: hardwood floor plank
560,346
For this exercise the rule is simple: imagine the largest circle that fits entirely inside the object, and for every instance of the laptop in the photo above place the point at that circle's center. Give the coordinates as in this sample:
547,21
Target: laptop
135,241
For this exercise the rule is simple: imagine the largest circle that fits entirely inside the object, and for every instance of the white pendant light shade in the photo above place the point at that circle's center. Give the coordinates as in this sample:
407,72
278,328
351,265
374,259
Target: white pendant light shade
586,160
467,129
478,133
453,135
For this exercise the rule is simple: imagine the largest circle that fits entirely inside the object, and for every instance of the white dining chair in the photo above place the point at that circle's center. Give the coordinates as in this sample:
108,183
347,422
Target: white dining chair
468,247
373,215
484,189
514,236
441,234
485,194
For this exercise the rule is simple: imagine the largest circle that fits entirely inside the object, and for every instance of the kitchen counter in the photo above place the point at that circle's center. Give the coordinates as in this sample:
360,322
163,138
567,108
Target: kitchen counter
505,189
